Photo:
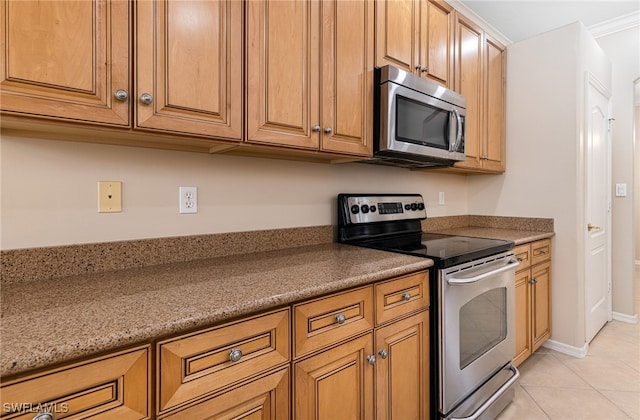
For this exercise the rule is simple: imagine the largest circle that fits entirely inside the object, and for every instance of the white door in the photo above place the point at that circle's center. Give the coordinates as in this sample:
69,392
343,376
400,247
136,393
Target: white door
597,212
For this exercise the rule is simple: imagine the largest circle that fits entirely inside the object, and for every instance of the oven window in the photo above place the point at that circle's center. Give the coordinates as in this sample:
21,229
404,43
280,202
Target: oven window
483,324
423,124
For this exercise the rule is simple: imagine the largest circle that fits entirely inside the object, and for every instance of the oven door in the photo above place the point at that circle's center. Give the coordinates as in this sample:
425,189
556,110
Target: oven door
414,123
477,321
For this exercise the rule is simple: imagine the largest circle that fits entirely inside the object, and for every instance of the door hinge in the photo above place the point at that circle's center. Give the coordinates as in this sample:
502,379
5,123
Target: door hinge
609,123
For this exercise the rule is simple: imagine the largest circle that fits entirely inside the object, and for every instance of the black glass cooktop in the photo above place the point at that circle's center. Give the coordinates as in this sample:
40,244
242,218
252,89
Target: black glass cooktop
444,250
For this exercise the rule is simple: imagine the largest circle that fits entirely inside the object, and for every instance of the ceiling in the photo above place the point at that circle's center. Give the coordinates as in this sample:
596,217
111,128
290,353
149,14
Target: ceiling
521,19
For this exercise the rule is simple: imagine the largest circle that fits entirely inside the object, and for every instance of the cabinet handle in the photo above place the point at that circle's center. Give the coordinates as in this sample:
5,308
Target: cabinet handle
543,252
371,359
315,128
383,353
340,318
406,296
424,69
146,98
121,95
235,355
533,281
328,130
520,259
418,67
44,416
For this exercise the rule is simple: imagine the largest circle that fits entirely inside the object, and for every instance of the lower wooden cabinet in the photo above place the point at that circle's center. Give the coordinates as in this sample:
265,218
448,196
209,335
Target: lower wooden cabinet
113,387
533,298
266,398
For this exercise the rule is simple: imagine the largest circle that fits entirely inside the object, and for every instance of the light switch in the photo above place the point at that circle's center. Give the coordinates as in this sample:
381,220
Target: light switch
621,190
109,196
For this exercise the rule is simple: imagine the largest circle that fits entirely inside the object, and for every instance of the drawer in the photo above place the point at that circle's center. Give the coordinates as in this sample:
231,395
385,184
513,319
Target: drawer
540,251
115,386
398,297
324,321
523,255
195,365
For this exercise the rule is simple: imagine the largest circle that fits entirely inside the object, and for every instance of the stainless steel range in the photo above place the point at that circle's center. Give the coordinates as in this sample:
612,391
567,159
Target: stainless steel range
472,307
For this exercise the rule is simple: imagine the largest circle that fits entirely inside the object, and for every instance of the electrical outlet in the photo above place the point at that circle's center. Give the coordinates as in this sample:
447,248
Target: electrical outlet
188,199
441,198
109,196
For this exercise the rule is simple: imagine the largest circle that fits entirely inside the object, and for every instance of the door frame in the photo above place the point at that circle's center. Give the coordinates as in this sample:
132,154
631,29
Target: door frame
592,81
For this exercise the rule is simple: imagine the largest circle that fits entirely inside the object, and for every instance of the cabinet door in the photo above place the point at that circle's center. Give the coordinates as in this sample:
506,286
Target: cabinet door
337,383
347,76
402,369
189,59
283,73
523,316
65,59
494,106
541,294
265,398
436,49
469,83
398,33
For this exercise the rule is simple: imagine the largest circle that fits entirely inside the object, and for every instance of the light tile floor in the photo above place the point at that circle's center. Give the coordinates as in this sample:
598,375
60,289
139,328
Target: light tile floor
604,385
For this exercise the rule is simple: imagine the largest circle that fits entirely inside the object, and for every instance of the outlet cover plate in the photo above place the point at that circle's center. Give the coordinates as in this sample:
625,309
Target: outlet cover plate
109,196
188,200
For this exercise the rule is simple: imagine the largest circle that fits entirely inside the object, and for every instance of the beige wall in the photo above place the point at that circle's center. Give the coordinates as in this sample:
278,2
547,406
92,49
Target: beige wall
49,192
623,48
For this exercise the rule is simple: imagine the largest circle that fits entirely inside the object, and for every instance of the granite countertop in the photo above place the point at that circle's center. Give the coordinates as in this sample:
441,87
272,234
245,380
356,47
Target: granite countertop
518,236
56,320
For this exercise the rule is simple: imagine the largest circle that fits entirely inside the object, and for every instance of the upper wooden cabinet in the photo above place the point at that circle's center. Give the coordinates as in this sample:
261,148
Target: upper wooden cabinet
309,74
66,59
480,76
416,36
189,67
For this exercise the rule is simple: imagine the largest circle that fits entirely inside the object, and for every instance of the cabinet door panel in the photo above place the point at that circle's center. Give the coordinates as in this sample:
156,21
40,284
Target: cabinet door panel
541,303
347,76
469,84
397,32
494,106
283,73
439,37
402,378
189,58
78,56
523,316
337,383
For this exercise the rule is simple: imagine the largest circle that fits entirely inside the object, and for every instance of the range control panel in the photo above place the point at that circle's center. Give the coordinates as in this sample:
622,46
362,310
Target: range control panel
381,208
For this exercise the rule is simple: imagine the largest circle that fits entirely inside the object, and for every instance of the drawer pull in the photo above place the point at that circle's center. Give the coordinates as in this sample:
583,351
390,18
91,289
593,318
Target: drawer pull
44,416
406,296
543,252
383,353
371,359
235,355
520,259
340,318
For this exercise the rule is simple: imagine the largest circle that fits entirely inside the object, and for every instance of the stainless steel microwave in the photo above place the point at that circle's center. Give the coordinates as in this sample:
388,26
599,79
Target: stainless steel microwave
417,122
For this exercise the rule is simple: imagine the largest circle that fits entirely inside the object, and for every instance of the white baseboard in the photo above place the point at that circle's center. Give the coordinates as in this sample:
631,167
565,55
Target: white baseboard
580,352
630,319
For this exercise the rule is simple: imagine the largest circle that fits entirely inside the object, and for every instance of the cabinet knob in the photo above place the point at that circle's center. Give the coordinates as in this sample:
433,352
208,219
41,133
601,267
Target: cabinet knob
44,416
424,69
406,296
235,355
146,98
383,353
340,318
121,95
418,67
328,130
315,128
533,281
520,259
371,359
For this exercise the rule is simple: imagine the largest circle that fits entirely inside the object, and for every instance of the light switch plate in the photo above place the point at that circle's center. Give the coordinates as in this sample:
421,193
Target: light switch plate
109,196
621,190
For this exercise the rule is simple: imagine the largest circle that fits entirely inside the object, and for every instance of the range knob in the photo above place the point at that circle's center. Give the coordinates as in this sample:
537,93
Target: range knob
372,209
414,206
364,208
420,206
407,207
355,209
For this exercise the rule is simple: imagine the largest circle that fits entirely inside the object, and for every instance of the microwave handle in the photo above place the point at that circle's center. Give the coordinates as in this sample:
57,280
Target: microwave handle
455,146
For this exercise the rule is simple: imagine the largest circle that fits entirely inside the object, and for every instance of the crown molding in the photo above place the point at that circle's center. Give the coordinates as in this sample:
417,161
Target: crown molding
469,13
611,26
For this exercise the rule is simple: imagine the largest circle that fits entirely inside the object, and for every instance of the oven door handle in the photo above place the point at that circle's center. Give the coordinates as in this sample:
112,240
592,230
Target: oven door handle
494,397
511,265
